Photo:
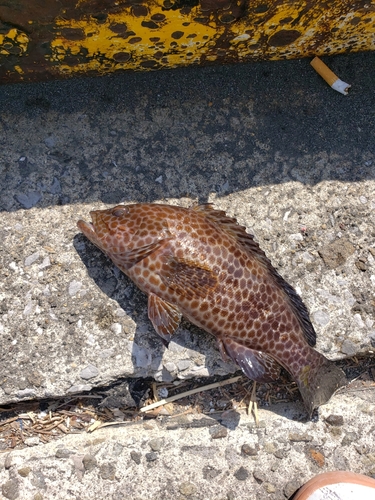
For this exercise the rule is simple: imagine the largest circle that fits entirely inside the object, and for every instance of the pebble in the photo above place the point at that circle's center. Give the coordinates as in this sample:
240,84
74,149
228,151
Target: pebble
136,456
63,453
259,475
297,437
74,287
108,471
116,328
291,487
79,388
348,348
89,372
248,450
10,489
241,474
55,187
210,472
32,258
38,480
50,141
32,441
218,432
349,438
269,487
361,265
89,462
152,456
335,420
183,364
321,318
187,489
156,444
24,471
28,200
317,457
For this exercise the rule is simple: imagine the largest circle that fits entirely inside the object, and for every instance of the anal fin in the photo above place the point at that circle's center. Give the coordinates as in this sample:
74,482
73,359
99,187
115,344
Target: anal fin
164,316
256,365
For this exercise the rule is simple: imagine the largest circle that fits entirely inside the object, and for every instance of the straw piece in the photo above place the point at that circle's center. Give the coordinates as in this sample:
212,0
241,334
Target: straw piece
189,393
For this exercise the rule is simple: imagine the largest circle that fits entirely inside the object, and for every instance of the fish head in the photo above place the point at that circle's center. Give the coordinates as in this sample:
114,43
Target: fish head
124,228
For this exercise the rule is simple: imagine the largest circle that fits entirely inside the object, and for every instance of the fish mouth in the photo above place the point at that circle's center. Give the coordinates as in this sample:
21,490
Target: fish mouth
88,228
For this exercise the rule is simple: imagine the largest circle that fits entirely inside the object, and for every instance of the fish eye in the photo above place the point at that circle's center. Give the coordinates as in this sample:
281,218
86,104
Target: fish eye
120,211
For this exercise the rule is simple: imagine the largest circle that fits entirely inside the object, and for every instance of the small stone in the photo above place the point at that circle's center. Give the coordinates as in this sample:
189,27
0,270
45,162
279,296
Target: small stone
152,456
89,462
28,200
291,487
280,454
335,420
317,457
270,488
55,187
349,438
50,141
35,378
38,496
297,437
136,456
116,328
38,480
8,461
74,287
117,449
241,474
183,364
335,254
108,471
63,453
210,472
32,441
348,348
259,476
163,392
79,388
248,450
361,265
218,432
321,318
89,372
32,258
270,447
187,489
10,489
24,471
156,444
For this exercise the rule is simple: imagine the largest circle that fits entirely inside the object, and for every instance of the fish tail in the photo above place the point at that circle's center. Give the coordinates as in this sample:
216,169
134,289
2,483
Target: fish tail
317,382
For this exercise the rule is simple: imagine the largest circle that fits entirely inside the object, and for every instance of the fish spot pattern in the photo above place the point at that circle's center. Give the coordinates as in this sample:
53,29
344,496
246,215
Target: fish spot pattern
206,267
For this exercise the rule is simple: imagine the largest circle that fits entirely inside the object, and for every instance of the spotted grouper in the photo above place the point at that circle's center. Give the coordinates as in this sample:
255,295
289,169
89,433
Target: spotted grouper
199,263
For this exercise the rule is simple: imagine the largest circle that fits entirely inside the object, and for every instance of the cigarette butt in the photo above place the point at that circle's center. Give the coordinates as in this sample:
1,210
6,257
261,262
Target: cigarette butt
329,76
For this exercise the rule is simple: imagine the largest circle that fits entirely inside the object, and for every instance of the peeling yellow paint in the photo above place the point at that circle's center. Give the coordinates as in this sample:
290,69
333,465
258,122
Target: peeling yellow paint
13,38
152,34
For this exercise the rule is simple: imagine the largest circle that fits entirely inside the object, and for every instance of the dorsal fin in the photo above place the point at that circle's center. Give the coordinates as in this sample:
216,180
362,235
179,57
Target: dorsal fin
231,226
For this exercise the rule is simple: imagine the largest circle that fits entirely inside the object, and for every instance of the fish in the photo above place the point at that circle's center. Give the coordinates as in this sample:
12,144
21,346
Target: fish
200,264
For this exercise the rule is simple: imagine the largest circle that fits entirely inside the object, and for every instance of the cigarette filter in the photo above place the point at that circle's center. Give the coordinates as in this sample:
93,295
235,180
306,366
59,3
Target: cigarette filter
329,76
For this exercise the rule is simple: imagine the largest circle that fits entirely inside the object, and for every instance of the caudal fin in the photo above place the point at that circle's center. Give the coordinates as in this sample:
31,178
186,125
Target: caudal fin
317,384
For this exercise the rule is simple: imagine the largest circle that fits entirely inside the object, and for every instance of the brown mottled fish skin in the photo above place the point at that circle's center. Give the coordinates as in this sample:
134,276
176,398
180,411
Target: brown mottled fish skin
200,264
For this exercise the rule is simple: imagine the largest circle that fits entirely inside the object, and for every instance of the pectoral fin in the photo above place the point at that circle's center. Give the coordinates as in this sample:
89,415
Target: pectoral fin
188,278
131,257
256,365
165,317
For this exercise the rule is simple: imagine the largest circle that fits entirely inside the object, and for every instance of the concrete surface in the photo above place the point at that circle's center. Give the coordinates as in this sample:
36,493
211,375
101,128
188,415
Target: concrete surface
194,457
272,145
